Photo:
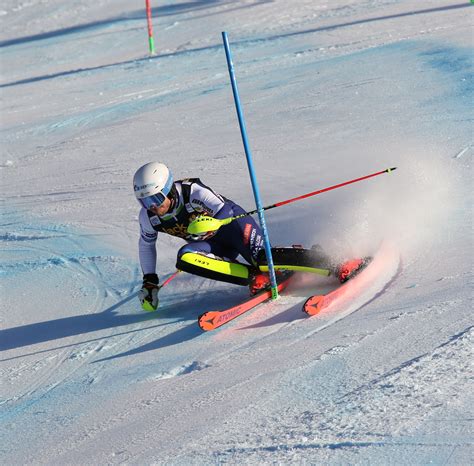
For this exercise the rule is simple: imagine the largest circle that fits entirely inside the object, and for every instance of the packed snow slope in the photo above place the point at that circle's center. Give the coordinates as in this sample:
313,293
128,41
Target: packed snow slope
331,90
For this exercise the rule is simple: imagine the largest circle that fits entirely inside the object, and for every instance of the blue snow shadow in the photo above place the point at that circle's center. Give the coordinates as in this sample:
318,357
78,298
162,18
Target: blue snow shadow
45,254
175,338
169,314
63,253
56,329
175,9
187,332
165,10
168,10
455,63
135,62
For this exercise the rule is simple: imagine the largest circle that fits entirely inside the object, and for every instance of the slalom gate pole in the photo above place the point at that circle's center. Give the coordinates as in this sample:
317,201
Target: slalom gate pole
253,178
151,41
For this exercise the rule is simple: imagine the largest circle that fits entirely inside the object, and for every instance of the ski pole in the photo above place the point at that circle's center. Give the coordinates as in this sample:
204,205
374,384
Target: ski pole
173,275
204,224
151,40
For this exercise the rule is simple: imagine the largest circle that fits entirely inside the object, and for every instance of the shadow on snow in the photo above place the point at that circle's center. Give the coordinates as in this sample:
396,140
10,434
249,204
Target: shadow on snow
179,336
56,329
166,10
175,9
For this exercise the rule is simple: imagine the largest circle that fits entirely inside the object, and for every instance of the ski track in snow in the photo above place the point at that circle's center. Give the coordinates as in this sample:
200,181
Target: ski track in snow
417,387
330,90
51,371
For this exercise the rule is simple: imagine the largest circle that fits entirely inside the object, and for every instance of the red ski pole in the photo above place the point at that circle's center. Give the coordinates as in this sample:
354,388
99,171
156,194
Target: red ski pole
174,275
314,193
203,224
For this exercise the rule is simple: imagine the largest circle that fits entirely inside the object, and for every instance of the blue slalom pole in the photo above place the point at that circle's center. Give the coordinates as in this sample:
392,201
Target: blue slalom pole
243,132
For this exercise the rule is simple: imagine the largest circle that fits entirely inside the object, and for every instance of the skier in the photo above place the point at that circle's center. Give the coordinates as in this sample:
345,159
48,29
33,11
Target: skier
170,206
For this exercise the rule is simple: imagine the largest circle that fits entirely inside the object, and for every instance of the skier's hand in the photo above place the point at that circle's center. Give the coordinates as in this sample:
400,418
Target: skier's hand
203,236
148,295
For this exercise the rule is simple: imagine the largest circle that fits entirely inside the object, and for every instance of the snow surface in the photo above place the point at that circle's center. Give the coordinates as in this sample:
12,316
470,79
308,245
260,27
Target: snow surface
331,90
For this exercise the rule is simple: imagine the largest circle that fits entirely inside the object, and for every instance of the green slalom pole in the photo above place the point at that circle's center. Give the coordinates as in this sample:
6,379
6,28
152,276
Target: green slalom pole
151,41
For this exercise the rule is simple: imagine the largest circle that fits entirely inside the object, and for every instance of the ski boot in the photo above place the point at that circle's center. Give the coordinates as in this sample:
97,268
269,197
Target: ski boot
259,281
351,268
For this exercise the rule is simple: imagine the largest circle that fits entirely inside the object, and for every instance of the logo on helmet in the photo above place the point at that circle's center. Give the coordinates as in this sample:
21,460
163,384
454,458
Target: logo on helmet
139,188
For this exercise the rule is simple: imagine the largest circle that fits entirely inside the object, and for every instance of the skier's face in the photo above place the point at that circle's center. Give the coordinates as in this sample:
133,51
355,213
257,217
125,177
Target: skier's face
161,209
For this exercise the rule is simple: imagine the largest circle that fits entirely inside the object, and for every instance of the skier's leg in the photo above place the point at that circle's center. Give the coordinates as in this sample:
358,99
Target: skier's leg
297,256
208,259
243,235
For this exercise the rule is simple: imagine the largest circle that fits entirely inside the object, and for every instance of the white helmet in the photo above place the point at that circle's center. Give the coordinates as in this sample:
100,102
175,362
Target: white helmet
152,183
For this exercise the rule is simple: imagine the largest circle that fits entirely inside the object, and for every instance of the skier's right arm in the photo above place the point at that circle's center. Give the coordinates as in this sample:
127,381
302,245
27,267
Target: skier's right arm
148,294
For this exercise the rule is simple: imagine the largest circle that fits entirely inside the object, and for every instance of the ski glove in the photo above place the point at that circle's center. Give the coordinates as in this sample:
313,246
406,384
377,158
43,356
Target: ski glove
203,236
148,295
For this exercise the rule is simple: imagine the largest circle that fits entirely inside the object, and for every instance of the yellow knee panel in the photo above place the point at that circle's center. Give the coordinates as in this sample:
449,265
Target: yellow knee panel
233,269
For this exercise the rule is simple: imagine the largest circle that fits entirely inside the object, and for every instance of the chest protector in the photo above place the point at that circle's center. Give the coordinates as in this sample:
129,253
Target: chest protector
178,225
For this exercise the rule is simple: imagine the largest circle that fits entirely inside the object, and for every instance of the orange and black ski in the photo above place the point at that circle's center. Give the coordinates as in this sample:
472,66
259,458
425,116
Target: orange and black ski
316,303
213,319
363,286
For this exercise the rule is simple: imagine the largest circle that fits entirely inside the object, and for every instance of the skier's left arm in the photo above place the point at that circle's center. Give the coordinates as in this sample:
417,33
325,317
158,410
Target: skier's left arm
204,200
207,202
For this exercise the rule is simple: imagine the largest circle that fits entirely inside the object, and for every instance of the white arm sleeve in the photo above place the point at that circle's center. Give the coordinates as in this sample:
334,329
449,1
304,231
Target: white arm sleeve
147,244
203,199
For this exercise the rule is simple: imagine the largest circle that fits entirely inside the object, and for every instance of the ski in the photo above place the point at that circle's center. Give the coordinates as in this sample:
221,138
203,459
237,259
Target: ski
363,286
316,303
213,319
370,280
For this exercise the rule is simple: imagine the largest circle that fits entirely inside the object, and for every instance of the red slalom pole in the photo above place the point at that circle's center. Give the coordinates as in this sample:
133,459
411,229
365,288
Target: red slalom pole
151,41
204,223
174,275
314,193
319,191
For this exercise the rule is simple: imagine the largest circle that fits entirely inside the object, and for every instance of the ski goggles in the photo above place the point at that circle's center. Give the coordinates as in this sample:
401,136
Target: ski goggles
152,201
